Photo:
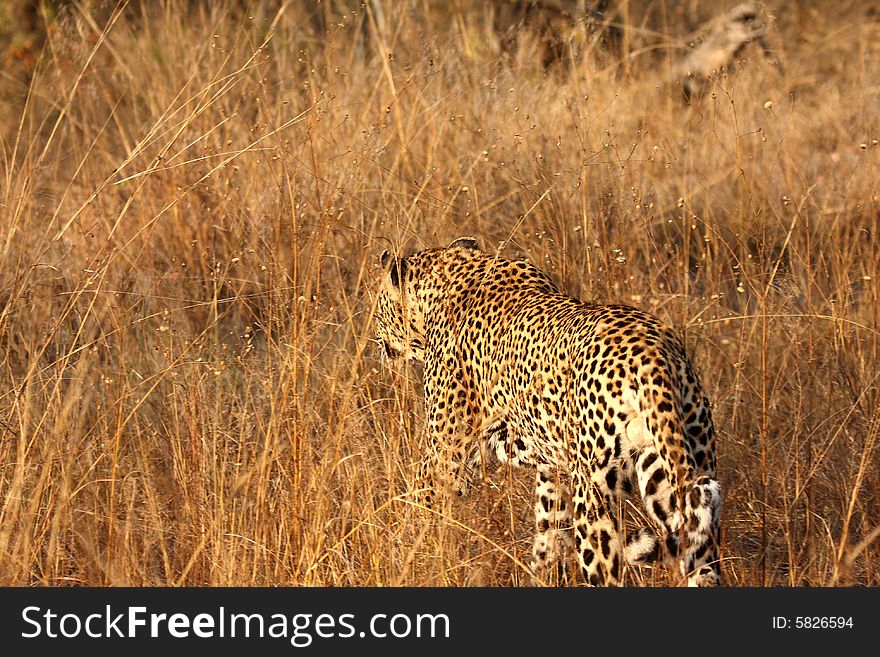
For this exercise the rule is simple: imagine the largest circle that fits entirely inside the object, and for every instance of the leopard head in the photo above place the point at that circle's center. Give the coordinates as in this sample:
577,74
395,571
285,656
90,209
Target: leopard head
406,294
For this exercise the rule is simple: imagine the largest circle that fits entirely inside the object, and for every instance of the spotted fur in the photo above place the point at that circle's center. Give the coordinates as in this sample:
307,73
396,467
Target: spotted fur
601,400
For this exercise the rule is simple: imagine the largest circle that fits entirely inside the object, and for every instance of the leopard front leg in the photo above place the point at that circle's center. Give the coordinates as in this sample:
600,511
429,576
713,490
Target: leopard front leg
452,421
424,484
552,534
552,540
443,468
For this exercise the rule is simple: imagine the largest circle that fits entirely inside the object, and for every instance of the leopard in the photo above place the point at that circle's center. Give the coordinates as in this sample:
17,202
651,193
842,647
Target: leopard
601,400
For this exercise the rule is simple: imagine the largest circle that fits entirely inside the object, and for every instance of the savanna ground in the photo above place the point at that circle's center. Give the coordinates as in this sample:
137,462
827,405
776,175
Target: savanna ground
192,200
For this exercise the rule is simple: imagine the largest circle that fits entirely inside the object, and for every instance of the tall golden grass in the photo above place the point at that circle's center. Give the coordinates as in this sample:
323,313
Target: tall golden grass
193,198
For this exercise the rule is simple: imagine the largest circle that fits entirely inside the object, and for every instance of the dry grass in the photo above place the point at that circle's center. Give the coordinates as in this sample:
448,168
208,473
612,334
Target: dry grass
192,202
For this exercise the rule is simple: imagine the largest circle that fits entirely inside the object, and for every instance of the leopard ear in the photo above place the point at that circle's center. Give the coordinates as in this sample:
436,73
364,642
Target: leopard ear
398,272
398,267
468,243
